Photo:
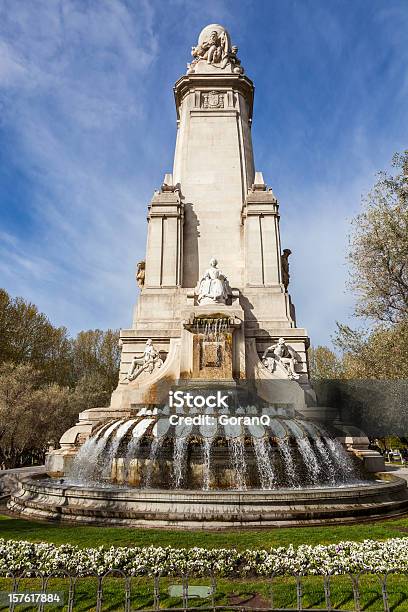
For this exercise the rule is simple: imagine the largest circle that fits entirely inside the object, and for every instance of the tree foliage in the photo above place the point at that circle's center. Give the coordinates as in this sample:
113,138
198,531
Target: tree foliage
27,336
97,354
380,354
47,378
30,415
378,259
324,363
379,248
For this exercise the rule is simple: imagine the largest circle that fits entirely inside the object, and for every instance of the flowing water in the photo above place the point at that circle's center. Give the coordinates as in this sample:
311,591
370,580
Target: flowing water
289,453
207,463
264,464
326,457
179,461
311,462
110,453
341,458
154,449
86,465
288,462
238,462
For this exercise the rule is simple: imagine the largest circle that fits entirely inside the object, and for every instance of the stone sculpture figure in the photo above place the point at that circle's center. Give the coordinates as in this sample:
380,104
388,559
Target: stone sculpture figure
215,47
213,287
214,50
285,267
140,274
284,358
148,362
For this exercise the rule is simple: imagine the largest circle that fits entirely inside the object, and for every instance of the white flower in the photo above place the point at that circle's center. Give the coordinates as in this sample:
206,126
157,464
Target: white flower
378,557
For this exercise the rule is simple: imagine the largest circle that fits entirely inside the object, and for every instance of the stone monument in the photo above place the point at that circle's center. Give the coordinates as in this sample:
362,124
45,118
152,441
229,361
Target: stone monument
214,324
214,302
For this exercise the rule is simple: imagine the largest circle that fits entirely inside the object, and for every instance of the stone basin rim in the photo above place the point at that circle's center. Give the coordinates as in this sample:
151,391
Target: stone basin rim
389,483
209,510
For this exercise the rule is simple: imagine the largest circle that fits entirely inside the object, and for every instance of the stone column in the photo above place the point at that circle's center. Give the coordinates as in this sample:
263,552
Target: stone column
262,239
214,165
164,239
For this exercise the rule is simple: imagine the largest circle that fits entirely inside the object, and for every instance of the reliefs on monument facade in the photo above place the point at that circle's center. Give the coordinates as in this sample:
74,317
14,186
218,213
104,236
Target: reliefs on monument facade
283,359
213,287
213,99
214,47
148,362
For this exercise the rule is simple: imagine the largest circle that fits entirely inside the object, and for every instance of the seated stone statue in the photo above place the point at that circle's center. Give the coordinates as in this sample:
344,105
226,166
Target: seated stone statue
213,49
148,362
213,287
284,358
214,46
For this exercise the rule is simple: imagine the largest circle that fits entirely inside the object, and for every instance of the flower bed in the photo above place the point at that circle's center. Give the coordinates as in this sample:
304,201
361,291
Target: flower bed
389,556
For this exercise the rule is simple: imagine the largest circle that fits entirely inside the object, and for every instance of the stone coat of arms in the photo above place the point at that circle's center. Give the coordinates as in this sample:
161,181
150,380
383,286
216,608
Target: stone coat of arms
213,99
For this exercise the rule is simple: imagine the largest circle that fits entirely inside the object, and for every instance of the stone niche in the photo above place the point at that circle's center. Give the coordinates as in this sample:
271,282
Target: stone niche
213,353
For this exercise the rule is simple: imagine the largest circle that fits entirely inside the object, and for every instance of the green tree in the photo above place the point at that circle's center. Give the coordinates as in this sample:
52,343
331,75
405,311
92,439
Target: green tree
378,253
58,410
30,416
91,392
324,363
96,355
46,379
27,336
379,354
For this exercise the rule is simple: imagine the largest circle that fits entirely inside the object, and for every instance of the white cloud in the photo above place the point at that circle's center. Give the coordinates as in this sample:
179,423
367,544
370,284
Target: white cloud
70,84
75,99
316,223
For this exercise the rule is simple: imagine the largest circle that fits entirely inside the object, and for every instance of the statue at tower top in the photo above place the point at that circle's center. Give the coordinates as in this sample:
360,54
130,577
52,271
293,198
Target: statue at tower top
214,49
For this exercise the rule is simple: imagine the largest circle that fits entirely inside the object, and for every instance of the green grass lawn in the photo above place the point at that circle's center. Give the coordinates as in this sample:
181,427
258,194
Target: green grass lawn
246,592
254,593
12,528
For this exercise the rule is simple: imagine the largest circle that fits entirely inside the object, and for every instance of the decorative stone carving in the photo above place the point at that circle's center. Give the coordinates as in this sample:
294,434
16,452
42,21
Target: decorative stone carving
213,99
147,363
285,267
214,46
283,359
140,274
211,353
213,287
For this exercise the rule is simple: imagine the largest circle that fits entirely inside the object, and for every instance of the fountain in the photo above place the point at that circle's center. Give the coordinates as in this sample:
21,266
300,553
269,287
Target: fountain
214,422
207,455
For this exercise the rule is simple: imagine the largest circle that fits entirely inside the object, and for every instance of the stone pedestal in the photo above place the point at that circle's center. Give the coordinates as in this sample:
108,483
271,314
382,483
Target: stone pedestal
213,346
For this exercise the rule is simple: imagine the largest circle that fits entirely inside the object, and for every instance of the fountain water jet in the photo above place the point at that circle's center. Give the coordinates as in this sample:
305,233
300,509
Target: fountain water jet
263,460
231,456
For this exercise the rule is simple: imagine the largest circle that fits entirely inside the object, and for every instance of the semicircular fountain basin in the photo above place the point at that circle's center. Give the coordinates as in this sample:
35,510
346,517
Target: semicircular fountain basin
145,471
46,498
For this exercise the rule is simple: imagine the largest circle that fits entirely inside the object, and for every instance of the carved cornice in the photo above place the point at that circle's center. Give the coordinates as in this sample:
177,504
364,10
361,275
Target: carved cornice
165,204
188,83
260,203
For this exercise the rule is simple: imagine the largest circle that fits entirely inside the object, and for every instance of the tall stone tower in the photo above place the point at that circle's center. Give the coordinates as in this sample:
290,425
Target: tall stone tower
214,307
213,204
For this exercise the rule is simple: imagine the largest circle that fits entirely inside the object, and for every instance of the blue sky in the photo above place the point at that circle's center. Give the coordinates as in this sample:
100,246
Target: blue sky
87,131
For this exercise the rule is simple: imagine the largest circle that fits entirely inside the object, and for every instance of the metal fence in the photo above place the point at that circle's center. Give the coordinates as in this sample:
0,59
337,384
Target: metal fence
187,586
